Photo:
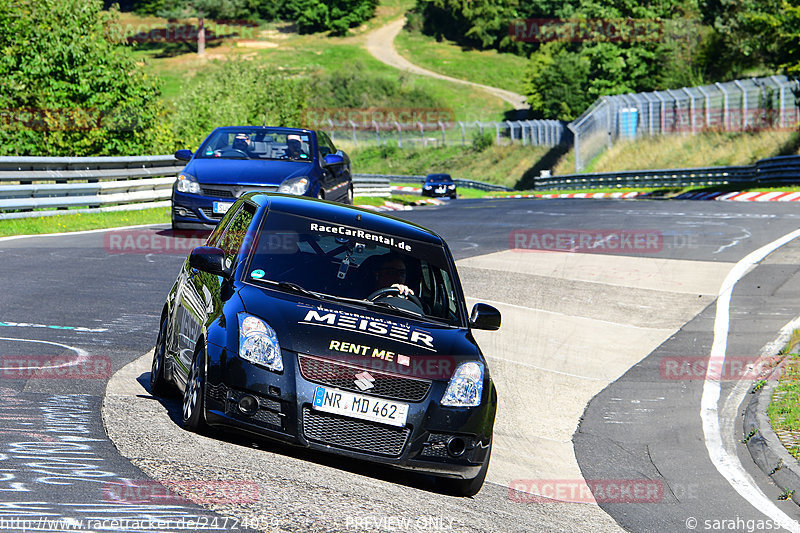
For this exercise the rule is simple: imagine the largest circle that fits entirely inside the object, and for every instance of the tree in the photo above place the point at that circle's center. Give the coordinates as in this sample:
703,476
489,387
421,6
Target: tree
202,9
67,89
336,16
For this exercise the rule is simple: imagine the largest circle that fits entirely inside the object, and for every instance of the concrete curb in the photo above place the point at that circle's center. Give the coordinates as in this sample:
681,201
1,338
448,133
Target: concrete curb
764,446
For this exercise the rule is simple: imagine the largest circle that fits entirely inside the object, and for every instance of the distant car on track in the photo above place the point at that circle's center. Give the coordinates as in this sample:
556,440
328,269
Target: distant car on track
439,185
336,329
234,160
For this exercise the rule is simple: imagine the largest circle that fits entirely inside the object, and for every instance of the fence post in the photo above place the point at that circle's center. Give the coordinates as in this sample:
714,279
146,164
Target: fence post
463,134
399,134
421,133
377,133
511,130
576,143
441,125
726,115
522,130
744,103
497,129
333,134
691,109
355,141
708,107
480,127
782,101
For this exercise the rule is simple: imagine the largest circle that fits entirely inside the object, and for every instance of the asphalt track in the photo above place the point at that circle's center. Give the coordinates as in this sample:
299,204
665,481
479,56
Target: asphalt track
573,322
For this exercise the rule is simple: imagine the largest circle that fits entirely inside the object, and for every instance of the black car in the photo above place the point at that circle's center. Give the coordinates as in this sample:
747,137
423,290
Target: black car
439,185
333,328
237,159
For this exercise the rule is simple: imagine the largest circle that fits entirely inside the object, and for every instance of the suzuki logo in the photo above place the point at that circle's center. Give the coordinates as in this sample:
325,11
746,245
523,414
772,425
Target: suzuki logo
364,381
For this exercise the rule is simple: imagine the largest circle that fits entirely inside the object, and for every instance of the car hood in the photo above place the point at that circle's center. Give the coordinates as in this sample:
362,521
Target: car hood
246,171
363,337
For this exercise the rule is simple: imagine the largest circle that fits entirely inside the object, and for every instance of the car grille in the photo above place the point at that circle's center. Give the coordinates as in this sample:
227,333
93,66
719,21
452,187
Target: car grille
342,376
233,191
209,213
356,435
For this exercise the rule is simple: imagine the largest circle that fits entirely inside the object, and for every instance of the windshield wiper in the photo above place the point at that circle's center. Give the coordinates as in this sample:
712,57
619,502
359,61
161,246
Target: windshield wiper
397,308
290,286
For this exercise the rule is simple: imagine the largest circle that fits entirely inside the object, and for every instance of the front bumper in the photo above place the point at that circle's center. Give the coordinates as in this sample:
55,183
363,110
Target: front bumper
285,413
438,192
196,209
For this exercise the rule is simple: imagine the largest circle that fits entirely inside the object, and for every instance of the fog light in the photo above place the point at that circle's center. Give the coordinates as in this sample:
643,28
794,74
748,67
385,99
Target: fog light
456,446
248,405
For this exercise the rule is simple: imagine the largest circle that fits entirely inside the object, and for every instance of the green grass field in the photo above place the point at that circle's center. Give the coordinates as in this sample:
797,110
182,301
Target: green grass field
83,221
487,67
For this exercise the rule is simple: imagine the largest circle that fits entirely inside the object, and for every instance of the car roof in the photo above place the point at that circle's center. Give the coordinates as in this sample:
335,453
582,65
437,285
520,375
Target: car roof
344,214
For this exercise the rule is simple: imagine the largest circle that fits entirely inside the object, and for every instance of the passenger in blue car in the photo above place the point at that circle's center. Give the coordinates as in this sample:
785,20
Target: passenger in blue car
241,142
294,149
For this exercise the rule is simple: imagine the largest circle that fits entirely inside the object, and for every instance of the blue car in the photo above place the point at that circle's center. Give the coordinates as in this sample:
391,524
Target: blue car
237,159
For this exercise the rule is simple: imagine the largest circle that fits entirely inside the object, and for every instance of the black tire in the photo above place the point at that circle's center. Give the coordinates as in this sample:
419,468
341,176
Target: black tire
466,487
158,381
194,396
176,226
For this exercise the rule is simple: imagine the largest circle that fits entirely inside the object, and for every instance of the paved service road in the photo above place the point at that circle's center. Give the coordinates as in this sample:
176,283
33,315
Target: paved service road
574,324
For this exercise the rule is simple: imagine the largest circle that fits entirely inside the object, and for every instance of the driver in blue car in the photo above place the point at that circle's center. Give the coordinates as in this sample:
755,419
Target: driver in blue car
294,149
241,142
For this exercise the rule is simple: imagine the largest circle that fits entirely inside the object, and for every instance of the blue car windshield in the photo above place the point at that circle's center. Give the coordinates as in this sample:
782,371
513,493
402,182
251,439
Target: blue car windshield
340,261
257,143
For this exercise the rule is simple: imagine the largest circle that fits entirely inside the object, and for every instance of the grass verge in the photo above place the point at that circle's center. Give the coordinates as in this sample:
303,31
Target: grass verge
83,221
487,67
784,406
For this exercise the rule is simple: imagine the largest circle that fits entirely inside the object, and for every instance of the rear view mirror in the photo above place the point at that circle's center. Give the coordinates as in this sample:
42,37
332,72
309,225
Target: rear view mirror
333,159
209,259
183,155
484,316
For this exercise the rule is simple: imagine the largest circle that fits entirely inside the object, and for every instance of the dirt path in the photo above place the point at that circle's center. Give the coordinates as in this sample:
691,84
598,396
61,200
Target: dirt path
380,43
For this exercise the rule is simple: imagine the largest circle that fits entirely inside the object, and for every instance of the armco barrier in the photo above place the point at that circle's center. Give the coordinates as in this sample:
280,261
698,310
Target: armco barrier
469,184
773,172
104,183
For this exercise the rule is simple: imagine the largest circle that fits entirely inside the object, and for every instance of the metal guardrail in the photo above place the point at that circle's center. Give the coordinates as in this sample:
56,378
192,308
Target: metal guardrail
469,184
104,183
775,171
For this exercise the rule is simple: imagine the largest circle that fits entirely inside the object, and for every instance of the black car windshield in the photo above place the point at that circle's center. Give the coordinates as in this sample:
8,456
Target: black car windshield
343,262
439,177
257,143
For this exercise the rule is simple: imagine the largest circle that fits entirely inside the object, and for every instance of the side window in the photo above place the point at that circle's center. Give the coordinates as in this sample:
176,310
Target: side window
231,239
325,145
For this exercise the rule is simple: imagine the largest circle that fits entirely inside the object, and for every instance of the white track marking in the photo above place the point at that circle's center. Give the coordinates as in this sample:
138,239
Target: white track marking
728,464
83,355
85,232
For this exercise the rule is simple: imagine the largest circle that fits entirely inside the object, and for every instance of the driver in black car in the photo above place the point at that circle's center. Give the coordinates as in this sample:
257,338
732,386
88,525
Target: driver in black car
391,272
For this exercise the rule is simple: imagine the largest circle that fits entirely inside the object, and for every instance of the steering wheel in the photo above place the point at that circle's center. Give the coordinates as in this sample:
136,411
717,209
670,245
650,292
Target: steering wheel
227,151
394,291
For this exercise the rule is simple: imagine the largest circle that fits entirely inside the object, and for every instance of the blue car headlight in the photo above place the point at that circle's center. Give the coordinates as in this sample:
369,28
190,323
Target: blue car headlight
187,183
258,343
297,186
465,387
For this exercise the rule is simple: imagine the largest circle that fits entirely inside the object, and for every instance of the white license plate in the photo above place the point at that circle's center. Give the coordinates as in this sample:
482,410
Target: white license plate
345,403
220,208
441,189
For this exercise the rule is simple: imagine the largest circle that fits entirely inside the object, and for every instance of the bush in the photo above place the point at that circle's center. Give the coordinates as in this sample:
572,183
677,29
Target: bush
237,93
481,142
336,16
67,89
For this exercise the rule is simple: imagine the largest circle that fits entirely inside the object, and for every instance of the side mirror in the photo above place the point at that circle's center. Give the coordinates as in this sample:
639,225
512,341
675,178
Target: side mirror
333,159
209,259
183,155
484,316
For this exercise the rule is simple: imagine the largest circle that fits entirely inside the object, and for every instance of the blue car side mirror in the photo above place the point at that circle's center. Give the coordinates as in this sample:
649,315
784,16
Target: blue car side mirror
183,155
333,159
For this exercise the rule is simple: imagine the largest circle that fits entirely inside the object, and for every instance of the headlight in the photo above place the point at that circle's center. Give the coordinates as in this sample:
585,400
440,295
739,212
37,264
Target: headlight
297,186
258,343
187,183
465,387
428,187
451,187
